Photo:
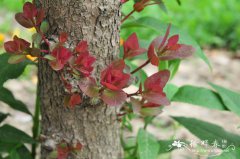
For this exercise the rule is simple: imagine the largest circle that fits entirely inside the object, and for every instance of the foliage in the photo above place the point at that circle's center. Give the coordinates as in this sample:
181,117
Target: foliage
154,92
201,19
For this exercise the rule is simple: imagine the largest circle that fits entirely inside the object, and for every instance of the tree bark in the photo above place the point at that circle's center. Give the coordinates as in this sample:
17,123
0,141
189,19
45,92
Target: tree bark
94,126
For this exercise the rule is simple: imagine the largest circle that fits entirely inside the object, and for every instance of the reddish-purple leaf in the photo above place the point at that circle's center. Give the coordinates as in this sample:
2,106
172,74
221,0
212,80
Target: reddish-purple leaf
156,97
81,47
113,98
152,50
150,105
153,88
173,40
165,37
131,47
84,62
56,65
182,52
113,76
75,99
62,56
29,10
62,151
21,19
63,37
157,80
11,47
16,46
89,87
40,16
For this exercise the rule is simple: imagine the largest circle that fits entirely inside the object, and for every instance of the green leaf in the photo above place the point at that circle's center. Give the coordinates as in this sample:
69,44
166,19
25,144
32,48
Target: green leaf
9,134
163,65
170,90
160,28
208,131
199,96
3,116
232,154
148,146
230,99
173,67
14,155
37,38
7,97
148,112
49,57
44,27
24,153
15,59
16,151
6,147
10,71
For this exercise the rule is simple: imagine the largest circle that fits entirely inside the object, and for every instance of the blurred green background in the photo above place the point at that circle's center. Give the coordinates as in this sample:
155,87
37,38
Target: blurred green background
212,23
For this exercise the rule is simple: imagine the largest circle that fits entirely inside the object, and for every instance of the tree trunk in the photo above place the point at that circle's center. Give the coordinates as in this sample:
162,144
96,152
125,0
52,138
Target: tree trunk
94,126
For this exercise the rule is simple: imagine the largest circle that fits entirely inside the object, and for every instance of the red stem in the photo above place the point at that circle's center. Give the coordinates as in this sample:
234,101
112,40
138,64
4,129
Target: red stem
127,16
133,94
140,67
45,51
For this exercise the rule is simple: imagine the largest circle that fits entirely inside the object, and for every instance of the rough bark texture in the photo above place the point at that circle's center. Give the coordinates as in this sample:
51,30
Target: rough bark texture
95,126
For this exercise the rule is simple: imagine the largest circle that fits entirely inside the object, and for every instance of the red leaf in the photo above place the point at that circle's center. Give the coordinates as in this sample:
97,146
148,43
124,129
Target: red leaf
113,76
29,10
113,98
17,46
172,50
153,50
22,44
131,47
150,105
165,37
21,19
75,99
63,37
56,65
153,88
63,151
157,80
82,46
173,40
77,147
182,52
10,47
156,97
62,56
89,87
40,16
84,63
